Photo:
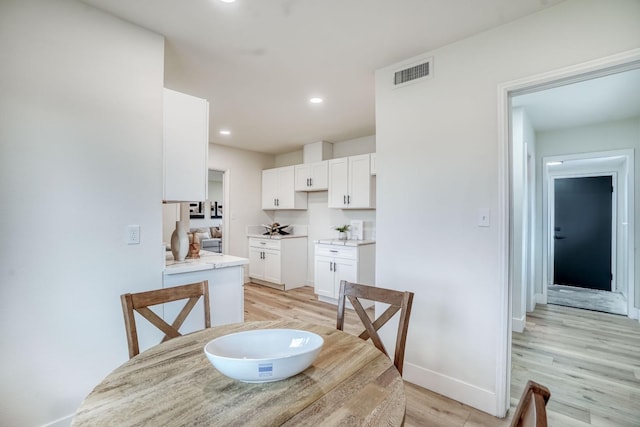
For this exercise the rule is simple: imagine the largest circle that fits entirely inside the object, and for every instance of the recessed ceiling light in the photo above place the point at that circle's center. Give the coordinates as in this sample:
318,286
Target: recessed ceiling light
225,132
554,163
227,1
316,100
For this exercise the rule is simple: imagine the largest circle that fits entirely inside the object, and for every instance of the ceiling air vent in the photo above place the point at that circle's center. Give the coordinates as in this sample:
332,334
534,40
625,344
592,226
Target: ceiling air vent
414,73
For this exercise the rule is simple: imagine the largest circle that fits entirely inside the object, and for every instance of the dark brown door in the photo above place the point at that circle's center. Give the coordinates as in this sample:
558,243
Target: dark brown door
582,235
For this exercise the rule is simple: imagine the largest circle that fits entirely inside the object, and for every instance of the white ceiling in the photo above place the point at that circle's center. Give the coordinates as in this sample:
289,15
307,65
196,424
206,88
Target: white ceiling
259,61
598,100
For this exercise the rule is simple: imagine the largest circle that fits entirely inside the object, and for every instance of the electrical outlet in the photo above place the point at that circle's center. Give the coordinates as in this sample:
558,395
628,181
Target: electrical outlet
133,235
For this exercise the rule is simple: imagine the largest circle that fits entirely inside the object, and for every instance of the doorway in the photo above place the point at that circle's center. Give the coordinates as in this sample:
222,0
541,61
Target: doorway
218,208
541,245
587,217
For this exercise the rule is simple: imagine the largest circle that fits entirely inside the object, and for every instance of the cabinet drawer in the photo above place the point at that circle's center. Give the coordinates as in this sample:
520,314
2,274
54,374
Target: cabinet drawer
264,243
350,252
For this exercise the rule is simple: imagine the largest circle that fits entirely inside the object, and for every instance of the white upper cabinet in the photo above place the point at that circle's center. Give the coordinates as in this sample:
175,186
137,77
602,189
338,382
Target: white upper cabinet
351,185
185,147
278,190
312,176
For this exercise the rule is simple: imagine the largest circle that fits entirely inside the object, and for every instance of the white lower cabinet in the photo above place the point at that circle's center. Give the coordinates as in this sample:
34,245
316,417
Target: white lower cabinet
281,263
265,264
334,263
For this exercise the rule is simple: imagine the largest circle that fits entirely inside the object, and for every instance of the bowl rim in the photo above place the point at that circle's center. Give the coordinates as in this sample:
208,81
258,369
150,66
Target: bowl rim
255,359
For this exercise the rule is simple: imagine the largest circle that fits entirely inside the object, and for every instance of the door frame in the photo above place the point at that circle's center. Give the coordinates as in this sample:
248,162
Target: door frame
584,71
548,219
226,211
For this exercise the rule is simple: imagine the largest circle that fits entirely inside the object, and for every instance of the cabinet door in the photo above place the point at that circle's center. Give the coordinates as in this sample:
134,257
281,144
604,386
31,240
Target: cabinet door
269,188
272,266
324,277
303,175
320,176
338,182
256,263
345,269
286,188
185,147
359,181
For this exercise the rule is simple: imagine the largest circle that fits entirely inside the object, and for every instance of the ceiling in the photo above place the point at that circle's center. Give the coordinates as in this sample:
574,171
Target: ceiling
598,100
259,61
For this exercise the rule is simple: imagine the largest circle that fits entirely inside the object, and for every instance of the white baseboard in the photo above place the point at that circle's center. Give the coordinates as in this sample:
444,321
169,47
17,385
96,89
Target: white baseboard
62,422
541,299
517,325
453,388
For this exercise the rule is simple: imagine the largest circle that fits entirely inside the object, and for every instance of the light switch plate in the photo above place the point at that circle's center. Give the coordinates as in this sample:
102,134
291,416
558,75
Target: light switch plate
484,217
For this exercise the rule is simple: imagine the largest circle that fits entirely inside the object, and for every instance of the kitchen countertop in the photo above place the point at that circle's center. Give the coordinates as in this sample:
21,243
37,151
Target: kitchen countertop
338,242
275,236
207,261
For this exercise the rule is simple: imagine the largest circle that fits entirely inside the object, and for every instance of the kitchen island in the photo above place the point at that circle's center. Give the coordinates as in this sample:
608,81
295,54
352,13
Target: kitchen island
225,274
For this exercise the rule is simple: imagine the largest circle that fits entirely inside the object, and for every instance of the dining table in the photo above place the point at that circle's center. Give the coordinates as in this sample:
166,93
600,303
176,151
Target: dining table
350,383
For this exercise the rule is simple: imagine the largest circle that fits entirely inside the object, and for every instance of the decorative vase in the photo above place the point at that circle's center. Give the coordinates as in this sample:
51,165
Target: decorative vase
342,235
179,242
194,246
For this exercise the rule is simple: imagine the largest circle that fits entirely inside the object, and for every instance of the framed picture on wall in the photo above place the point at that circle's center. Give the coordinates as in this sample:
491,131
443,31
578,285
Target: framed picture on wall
216,210
196,210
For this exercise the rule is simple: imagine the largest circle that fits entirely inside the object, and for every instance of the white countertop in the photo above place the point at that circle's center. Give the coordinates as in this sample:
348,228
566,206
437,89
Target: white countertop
275,236
207,261
338,242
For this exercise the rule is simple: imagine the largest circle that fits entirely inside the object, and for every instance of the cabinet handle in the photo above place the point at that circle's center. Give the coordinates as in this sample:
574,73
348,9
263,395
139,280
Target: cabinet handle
274,202
278,200
310,182
344,200
348,200
330,266
333,250
334,266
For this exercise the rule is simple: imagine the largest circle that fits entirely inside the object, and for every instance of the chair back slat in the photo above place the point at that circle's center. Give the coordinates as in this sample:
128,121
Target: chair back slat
532,407
141,302
397,300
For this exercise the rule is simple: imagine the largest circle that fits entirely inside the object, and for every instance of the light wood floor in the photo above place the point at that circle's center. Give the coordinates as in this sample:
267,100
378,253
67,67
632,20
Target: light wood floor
589,360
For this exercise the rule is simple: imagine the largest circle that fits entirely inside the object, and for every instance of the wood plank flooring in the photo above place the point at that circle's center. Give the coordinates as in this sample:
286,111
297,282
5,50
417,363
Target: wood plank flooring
589,360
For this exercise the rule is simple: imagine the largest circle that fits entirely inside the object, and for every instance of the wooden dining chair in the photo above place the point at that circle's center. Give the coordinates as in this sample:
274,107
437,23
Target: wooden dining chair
397,300
532,408
141,302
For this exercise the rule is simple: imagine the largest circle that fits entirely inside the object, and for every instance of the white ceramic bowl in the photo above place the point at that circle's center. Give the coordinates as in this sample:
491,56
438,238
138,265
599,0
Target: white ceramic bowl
264,355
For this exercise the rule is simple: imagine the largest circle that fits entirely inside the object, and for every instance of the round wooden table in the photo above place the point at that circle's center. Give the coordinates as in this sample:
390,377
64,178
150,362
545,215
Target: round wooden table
351,383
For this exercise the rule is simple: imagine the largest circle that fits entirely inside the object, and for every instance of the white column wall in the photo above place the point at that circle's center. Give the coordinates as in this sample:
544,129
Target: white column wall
438,164
80,110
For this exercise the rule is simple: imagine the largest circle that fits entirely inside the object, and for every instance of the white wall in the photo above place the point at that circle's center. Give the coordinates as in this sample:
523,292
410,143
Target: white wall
522,149
288,159
80,109
318,217
519,310
598,137
244,174
353,147
438,164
